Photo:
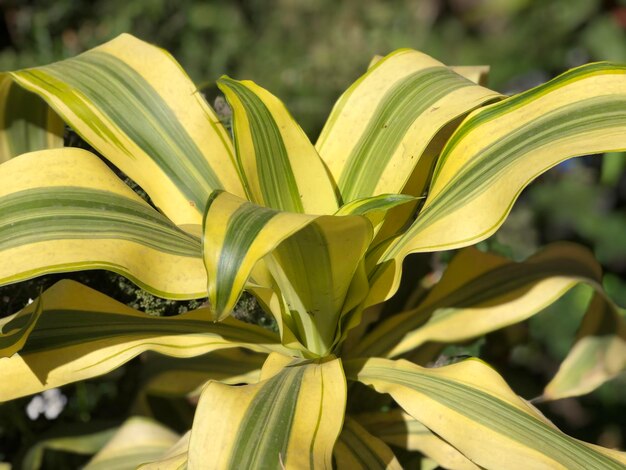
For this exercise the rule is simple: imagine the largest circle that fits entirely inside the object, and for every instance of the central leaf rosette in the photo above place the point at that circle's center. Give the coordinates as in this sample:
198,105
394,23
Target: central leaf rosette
308,270
300,238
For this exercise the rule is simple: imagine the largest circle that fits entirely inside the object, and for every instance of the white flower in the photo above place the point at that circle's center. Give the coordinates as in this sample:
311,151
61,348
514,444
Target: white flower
50,403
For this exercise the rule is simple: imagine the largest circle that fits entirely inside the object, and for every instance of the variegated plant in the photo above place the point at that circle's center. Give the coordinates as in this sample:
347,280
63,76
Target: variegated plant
415,157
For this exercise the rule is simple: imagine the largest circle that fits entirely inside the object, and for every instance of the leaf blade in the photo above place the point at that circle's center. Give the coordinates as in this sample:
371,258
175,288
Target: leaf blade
501,148
82,334
469,405
281,167
54,220
133,103
382,124
26,122
291,418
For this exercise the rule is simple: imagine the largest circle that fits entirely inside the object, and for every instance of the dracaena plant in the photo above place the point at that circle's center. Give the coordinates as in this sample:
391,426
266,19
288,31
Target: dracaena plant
415,157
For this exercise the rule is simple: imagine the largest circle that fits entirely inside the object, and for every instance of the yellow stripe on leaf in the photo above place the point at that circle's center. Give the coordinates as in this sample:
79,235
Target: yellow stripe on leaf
381,126
500,149
82,334
26,121
280,167
470,406
135,105
359,450
290,419
65,210
399,429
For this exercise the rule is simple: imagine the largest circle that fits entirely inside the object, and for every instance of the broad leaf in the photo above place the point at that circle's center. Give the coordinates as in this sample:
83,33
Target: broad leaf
482,292
381,126
26,122
168,376
175,458
598,355
500,149
399,429
65,210
470,406
376,208
280,167
358,449
83,439
138,440
134,104
82,334
290,419
313,260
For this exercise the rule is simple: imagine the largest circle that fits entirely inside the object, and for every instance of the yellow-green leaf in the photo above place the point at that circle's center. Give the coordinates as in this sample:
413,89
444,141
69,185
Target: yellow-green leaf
26,122
381,126
399,429
500,149
598,355
313,261
280,167
168,376
476,73
138,440
135,105
82,438
65,210
482,292
375,208
358,449
236,235
290,419
82,334
174,459
470,406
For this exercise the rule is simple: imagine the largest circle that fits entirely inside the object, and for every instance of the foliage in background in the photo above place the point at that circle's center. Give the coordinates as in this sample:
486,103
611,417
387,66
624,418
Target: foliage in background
320,46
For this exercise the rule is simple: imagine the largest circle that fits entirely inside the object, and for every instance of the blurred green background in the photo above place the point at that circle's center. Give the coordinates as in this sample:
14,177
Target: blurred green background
307,53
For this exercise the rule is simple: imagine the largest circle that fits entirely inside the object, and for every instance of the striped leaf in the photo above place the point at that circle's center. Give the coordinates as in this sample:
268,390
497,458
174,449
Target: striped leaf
26,122
237,234
598,355
321,277
376,208
280,167
399,429
290,419
65,210
381,126
174,377
134,104
73,438
13,339
483,292
174,459
476,73
500,149
359,450
137,441
313,267
470,406
82,334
